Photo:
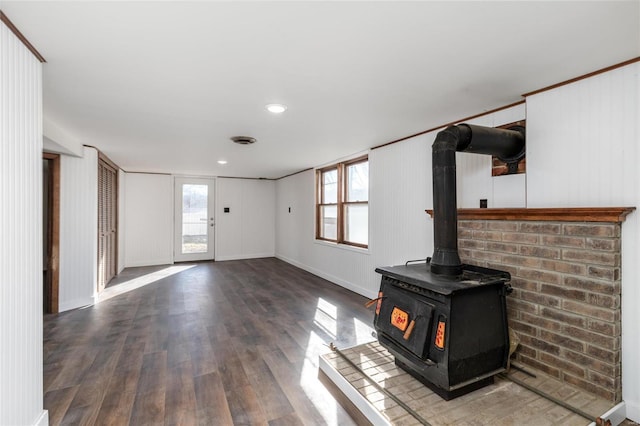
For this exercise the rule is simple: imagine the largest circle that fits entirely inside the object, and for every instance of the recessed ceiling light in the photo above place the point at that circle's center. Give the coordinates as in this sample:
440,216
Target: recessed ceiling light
276,108
222,161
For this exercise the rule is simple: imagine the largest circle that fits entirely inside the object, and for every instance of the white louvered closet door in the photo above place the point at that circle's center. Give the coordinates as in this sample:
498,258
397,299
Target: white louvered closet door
107,223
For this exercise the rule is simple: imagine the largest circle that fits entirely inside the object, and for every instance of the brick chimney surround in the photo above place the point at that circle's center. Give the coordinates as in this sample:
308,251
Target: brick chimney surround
565,268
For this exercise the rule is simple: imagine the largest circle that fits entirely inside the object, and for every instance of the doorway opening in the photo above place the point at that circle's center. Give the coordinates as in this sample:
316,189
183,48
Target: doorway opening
194,219
50,232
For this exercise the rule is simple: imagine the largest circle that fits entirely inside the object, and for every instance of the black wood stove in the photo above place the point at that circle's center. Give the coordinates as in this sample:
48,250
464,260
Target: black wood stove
446,322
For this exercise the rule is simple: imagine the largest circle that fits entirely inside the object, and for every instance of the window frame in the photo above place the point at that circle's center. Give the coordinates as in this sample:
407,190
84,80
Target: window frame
341,204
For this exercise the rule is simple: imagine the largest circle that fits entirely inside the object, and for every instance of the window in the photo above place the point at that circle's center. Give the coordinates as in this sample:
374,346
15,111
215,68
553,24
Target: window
342,206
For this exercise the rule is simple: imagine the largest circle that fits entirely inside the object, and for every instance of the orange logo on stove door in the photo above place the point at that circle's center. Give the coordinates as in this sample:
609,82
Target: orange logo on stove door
399,319
439,342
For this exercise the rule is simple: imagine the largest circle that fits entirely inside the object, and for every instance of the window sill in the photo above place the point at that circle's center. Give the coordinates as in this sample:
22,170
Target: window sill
342,246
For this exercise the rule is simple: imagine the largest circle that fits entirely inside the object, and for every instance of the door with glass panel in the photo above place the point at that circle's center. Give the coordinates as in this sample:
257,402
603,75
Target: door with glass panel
194,219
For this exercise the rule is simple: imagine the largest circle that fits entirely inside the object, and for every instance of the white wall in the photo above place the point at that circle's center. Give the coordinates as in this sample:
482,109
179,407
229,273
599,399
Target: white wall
583,152
295,241
122,219
20,234
59,140
474,180
248,230
78,229
148,213
400,192
147,219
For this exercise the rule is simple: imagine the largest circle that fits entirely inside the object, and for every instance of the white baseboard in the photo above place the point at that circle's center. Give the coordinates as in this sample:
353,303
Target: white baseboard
75,303
243,256
342,283
633,410
150,262
43,419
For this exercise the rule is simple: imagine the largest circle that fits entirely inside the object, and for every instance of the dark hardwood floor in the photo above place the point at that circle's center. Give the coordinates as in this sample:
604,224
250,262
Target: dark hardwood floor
216,343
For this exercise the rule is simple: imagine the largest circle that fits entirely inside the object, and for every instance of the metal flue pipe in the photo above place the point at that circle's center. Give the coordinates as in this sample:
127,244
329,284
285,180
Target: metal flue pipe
508,145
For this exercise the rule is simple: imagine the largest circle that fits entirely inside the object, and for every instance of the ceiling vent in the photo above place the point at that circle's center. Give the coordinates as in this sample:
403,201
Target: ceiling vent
243,140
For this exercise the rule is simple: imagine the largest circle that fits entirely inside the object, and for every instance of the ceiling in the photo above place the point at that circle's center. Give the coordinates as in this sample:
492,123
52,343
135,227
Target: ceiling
162,86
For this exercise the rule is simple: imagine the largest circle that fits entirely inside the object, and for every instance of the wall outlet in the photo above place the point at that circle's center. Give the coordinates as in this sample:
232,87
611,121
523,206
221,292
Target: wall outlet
483,203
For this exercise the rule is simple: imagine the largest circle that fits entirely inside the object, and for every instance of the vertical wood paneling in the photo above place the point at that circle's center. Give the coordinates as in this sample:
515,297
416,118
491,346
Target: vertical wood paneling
631,291
228,225
149,219
399,229
473,173
20,234
78,229
474,178
295,229
400,191
122,225
248,230
258,218
582,142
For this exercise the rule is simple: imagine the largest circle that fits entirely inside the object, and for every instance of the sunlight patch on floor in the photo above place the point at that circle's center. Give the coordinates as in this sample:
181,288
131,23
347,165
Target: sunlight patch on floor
364,332
134,283
315,391
326,318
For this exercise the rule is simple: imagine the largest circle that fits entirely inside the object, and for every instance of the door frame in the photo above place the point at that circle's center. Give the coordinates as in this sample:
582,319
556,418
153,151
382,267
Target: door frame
53,239
106,162
177,222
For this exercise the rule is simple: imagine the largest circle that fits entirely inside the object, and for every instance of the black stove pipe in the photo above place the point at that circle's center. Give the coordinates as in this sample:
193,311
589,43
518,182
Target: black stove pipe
508,145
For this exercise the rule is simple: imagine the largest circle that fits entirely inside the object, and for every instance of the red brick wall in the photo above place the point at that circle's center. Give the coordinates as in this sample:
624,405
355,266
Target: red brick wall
565,306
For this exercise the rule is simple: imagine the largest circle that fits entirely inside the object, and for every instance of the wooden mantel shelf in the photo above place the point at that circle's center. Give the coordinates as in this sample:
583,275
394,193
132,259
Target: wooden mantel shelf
579,214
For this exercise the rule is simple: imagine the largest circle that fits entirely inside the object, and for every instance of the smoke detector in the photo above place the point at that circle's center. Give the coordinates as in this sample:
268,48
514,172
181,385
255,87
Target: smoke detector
243,140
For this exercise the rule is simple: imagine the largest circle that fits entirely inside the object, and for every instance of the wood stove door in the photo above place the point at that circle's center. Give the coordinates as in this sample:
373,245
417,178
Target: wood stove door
406,318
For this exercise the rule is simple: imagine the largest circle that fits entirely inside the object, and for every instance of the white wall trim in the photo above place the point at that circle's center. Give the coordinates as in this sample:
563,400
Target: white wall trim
355,249
243,256
343,159
632,410
150,262
349,286
76,303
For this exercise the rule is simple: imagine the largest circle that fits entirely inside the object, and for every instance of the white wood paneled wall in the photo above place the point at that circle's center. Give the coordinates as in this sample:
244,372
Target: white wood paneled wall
21,401
122,219
148,212
583,142
295,240
248,230
78,229
583,151
474,180
399,229
400,191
